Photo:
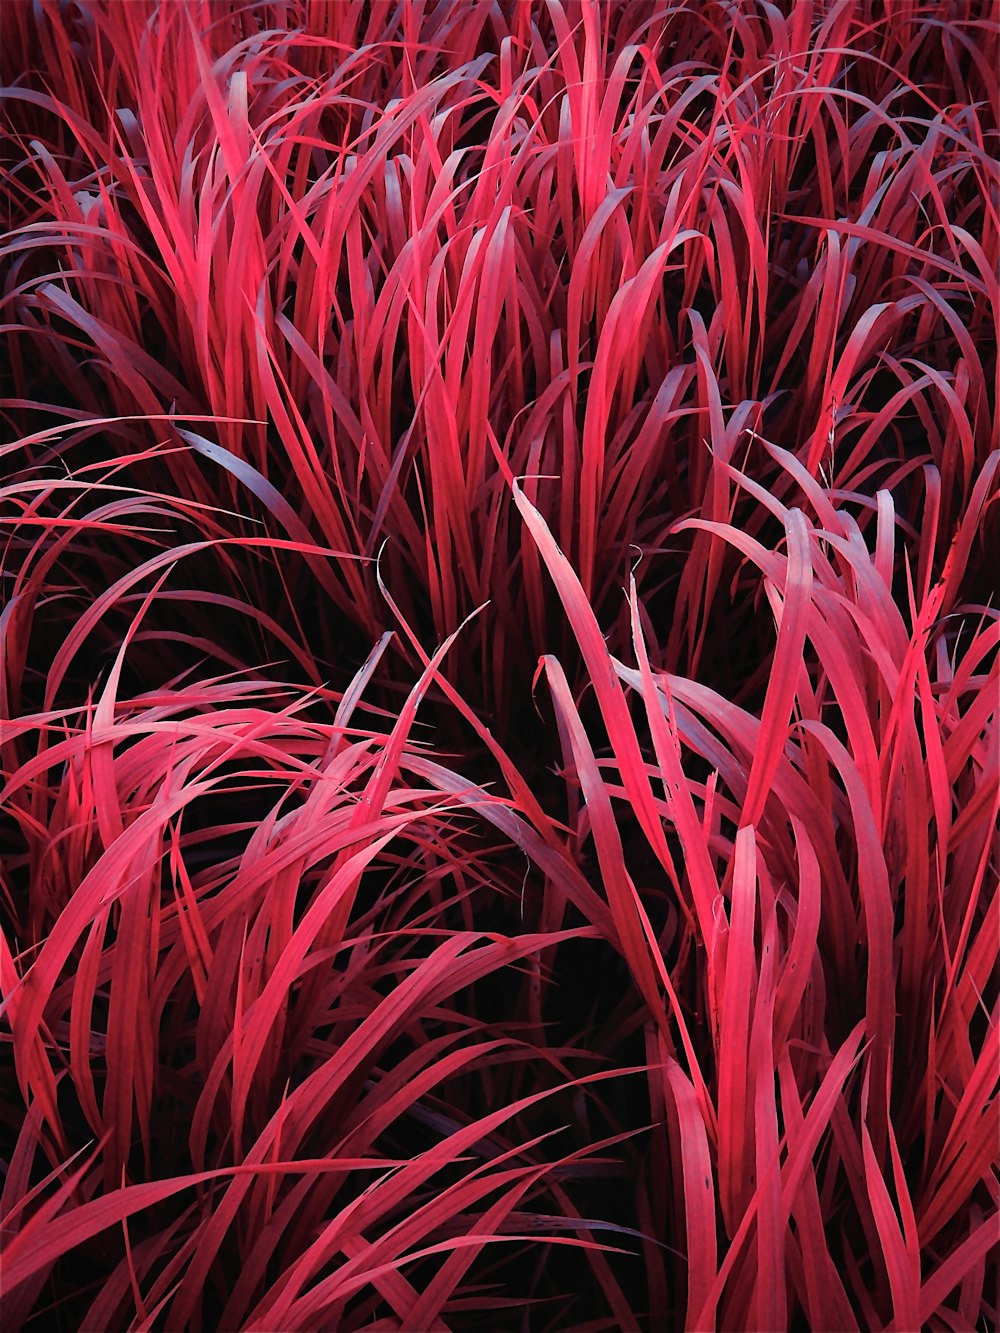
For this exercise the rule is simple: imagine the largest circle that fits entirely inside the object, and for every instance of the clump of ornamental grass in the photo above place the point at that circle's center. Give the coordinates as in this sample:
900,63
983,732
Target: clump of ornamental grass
499,761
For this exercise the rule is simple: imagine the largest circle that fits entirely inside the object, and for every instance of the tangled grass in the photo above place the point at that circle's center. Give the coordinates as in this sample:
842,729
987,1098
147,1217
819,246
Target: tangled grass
499,687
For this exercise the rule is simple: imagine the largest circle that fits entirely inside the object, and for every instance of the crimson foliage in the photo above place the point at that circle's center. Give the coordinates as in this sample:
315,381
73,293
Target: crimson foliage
499,687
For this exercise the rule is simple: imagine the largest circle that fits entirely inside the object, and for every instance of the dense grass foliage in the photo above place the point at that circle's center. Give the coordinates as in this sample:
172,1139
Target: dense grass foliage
499,686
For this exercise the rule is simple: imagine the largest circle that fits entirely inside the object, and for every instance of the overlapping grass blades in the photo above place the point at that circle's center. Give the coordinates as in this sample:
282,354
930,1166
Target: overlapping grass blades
499,688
